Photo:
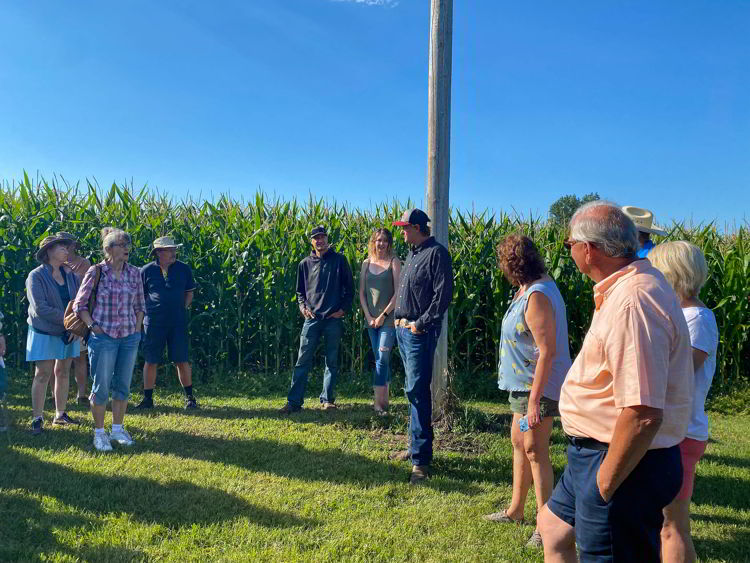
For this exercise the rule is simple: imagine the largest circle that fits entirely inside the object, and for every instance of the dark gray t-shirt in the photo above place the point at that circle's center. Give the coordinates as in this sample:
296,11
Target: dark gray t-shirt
165,296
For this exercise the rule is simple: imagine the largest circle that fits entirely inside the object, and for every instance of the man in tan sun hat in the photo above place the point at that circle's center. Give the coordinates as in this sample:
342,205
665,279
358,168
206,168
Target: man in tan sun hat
79,266
644,222
168,286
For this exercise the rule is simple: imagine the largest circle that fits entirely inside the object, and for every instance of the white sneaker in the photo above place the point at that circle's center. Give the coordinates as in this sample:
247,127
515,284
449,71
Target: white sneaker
122,437
101,442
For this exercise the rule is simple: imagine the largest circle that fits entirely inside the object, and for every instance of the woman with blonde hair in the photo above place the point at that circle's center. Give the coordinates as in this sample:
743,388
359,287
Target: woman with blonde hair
377,294
684,266
115,325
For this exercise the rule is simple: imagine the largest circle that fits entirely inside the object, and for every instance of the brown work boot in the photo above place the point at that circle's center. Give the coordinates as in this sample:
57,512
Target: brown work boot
419,474
288,409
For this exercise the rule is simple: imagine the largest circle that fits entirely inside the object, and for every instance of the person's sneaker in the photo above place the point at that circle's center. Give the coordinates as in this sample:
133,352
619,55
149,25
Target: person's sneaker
146,403
36,426
502,517
83,401
64,420
419,474
535,540
190,403
288,409
101,442
121,437
329,406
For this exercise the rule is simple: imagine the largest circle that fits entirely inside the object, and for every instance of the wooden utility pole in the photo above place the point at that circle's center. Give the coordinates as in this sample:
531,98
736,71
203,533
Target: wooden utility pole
439,164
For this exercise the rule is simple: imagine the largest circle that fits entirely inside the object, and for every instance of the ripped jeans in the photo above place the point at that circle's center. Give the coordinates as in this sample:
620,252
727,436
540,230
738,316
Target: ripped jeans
382,339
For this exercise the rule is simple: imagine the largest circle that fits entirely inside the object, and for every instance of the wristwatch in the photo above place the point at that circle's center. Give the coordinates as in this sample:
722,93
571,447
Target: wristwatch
92,325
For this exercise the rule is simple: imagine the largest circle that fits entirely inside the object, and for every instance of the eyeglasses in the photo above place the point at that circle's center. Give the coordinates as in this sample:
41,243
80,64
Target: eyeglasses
570,243
123,245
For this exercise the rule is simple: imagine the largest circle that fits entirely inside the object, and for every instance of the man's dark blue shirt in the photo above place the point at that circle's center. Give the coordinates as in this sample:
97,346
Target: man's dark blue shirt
165,297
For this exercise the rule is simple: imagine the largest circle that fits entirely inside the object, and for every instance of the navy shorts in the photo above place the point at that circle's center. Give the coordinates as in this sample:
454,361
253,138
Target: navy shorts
175,338
627,528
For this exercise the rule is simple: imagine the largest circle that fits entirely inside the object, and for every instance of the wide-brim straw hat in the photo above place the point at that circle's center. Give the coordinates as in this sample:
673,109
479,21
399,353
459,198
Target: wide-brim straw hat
48,242
163,243
643,219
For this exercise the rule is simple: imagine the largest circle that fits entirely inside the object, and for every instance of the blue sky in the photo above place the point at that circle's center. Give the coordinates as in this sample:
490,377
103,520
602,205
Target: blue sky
646,103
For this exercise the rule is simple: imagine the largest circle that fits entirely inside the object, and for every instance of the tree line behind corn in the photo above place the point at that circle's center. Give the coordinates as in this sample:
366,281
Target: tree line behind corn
244,255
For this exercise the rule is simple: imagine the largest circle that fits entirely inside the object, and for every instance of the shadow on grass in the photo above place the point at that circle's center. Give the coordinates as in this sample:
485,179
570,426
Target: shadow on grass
732,548
726,460
722,491
287,460
172,504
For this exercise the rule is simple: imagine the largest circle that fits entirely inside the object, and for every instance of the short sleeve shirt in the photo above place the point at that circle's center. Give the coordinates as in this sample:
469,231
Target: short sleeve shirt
636,352
165,295
704,336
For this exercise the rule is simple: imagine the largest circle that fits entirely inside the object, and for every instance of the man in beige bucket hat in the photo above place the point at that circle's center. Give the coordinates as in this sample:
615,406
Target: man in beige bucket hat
168,286
644,222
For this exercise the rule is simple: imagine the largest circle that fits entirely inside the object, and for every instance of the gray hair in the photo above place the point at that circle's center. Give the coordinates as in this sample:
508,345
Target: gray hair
111,236
603,224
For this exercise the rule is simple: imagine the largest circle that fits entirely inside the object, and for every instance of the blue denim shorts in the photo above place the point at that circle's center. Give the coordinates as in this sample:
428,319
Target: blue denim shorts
112,361
173,338
628,527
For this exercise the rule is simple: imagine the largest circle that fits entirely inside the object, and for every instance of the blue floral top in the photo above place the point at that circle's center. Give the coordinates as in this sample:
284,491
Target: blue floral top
519,352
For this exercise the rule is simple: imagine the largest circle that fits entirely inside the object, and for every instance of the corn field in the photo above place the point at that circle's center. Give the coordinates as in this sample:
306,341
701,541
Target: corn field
244,255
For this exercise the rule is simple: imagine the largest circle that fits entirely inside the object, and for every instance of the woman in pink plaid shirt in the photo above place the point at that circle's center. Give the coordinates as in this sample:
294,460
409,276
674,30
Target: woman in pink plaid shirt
115,326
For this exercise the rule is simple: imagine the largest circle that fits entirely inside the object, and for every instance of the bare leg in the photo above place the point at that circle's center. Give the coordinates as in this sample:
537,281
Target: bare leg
80,366
118,411
379,397
676,543
98,412
536,443
42,373
521,471
149,375
386,397
185,373
558,537
62,384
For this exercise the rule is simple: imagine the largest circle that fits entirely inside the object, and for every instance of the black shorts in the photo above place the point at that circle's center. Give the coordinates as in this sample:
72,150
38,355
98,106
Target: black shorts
175,338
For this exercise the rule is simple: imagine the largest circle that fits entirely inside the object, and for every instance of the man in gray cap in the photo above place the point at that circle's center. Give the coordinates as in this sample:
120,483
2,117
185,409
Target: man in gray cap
325,290
424,292
168,286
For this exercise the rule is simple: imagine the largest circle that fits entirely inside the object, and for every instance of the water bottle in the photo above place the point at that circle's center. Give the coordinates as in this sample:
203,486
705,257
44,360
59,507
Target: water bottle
523,423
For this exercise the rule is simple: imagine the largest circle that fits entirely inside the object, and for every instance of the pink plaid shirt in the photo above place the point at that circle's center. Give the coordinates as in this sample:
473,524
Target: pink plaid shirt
117,301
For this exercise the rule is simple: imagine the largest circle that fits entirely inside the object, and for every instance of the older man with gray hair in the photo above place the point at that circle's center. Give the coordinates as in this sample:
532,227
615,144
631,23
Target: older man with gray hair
625,403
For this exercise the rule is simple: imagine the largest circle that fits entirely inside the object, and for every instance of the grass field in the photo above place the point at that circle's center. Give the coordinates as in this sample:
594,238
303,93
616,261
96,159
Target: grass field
234,481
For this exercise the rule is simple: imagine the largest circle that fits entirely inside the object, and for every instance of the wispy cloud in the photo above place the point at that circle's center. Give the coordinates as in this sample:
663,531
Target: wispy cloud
389,3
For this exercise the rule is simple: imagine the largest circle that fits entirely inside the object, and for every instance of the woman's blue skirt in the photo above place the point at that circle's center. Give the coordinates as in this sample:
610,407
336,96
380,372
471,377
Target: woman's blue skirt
47,347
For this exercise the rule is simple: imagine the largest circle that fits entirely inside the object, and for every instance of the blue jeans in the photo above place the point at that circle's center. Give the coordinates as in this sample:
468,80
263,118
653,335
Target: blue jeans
628,527
312,330
382,340
112,361
418,355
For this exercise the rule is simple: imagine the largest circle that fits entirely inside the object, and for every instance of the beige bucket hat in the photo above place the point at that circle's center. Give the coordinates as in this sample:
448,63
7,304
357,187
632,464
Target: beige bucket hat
643,219
164,242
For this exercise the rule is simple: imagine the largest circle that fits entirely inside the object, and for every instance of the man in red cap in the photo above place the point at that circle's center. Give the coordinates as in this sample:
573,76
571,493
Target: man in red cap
424,292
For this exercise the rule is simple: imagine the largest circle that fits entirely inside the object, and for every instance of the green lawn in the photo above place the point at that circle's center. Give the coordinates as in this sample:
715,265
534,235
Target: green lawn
236,481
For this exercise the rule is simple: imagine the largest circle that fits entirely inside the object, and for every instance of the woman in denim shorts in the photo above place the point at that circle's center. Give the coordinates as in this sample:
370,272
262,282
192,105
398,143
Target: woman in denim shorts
534,359
115,325
378,280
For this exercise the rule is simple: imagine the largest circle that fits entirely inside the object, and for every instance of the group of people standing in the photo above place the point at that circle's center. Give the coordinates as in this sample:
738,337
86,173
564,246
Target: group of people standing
631,403
120,304
403,305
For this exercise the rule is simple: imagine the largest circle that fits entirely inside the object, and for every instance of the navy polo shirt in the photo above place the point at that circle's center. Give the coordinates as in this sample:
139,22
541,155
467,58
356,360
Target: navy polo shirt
165,297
